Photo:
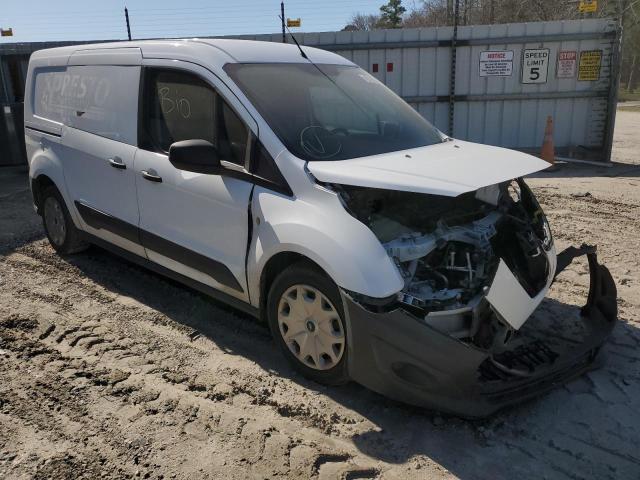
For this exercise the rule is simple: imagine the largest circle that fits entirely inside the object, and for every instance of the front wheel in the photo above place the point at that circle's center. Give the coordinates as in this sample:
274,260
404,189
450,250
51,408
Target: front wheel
307,321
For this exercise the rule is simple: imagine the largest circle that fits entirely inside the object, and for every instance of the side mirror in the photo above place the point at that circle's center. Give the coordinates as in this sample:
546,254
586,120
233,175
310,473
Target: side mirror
197,156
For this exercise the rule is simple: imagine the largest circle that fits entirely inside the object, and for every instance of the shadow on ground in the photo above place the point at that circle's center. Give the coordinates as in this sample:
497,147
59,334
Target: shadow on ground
587,429
576,431
19,223
579,170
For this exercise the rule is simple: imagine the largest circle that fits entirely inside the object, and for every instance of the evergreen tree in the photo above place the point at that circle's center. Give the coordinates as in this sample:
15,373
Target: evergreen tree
391,14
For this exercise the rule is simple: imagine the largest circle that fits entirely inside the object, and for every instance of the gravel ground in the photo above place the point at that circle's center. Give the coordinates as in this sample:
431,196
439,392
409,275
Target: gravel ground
107,370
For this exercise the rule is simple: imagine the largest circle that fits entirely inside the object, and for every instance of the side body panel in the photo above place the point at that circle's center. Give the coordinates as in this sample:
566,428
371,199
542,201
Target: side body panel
93,182
196,224
318,227
204,214
42,136
97,106
44,153
312,222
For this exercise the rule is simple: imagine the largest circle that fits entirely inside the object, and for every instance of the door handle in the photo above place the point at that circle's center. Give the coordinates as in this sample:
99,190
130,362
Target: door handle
116,162
151,177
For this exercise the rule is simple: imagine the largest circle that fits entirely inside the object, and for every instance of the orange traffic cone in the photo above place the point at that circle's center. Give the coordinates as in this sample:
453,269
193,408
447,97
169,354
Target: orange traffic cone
548,151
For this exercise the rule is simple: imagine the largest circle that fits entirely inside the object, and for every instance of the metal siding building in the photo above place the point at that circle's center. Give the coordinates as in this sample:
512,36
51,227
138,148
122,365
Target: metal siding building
416,64
14,60
493,110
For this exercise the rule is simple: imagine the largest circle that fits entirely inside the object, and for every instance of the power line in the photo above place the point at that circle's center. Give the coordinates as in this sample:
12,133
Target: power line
188,21
329,3
311,9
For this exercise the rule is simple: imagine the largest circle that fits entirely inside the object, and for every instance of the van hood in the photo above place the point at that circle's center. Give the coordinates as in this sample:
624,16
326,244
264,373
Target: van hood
450,168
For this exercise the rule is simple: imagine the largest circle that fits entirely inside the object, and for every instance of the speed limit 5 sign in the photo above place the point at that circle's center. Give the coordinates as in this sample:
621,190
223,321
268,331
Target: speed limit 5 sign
535,65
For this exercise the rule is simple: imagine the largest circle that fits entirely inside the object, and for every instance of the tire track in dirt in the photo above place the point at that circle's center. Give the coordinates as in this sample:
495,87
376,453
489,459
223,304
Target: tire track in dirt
124,358
109,371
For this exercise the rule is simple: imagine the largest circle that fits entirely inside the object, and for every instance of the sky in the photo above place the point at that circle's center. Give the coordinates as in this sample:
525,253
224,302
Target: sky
58,20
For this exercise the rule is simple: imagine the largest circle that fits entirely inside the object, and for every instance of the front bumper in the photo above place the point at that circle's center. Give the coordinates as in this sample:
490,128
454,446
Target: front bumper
398,355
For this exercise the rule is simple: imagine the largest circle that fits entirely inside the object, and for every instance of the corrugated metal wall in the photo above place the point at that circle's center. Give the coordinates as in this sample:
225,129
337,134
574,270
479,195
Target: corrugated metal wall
416,64
494,110
12,148
14,60
519,122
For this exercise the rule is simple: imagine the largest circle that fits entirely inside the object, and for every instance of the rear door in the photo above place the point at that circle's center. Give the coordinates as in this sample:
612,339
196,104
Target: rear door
195,224
99,142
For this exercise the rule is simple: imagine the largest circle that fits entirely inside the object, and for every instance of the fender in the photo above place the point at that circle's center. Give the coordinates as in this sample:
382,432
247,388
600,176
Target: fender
47,162
325,233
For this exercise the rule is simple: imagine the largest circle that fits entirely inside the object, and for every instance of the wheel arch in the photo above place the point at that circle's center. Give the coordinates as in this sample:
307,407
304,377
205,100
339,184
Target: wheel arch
38,185
276,264
46,170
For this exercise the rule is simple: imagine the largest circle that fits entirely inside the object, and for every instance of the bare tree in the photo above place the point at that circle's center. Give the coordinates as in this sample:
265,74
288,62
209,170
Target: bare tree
429,14
360,21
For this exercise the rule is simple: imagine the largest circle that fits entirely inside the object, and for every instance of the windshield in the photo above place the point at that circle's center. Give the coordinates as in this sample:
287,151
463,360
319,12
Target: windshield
331,112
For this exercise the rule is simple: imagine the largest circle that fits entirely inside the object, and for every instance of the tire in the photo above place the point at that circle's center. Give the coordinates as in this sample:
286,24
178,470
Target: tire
306,318
62,233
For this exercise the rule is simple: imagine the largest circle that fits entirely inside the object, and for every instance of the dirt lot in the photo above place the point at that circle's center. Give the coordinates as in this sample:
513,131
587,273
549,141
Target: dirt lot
109,371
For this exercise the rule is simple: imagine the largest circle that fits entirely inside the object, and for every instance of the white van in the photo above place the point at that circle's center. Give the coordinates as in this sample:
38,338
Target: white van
293,185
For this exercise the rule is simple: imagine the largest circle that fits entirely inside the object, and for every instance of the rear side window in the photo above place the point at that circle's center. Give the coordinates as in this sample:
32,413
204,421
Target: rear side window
99,99
181,106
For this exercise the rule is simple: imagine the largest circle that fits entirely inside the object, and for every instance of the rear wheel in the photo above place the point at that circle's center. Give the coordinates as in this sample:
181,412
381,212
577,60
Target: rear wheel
307,322
63,235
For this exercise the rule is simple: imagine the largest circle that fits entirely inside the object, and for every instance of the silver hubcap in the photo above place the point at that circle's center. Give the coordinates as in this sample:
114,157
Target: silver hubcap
311,327
54,219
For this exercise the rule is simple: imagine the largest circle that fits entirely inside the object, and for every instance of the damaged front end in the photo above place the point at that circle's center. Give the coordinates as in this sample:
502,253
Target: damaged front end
457,337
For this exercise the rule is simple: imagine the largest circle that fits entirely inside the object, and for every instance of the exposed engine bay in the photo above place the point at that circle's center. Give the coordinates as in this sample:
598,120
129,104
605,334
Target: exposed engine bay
448,250
476,267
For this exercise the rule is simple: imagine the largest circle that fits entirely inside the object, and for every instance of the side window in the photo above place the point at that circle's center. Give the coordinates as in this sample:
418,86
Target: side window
93,98
233,135
177,106
263,166
181,106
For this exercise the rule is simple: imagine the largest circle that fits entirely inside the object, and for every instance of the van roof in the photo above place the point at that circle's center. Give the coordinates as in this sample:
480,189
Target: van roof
216,50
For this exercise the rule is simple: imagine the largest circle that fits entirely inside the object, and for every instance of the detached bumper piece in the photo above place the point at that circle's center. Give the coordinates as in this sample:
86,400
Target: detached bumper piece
396,354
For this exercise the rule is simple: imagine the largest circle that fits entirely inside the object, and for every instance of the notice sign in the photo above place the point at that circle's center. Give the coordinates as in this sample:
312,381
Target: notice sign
588,6
590,63
496,63
567,64
535,65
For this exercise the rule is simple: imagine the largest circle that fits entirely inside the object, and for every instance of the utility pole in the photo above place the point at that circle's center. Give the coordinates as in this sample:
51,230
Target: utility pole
452,73
614,80
126,17
284,37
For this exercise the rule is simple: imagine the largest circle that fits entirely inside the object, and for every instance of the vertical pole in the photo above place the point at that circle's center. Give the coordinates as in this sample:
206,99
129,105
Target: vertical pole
284,37
5,89
452,77
614,83
126,17
630,81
